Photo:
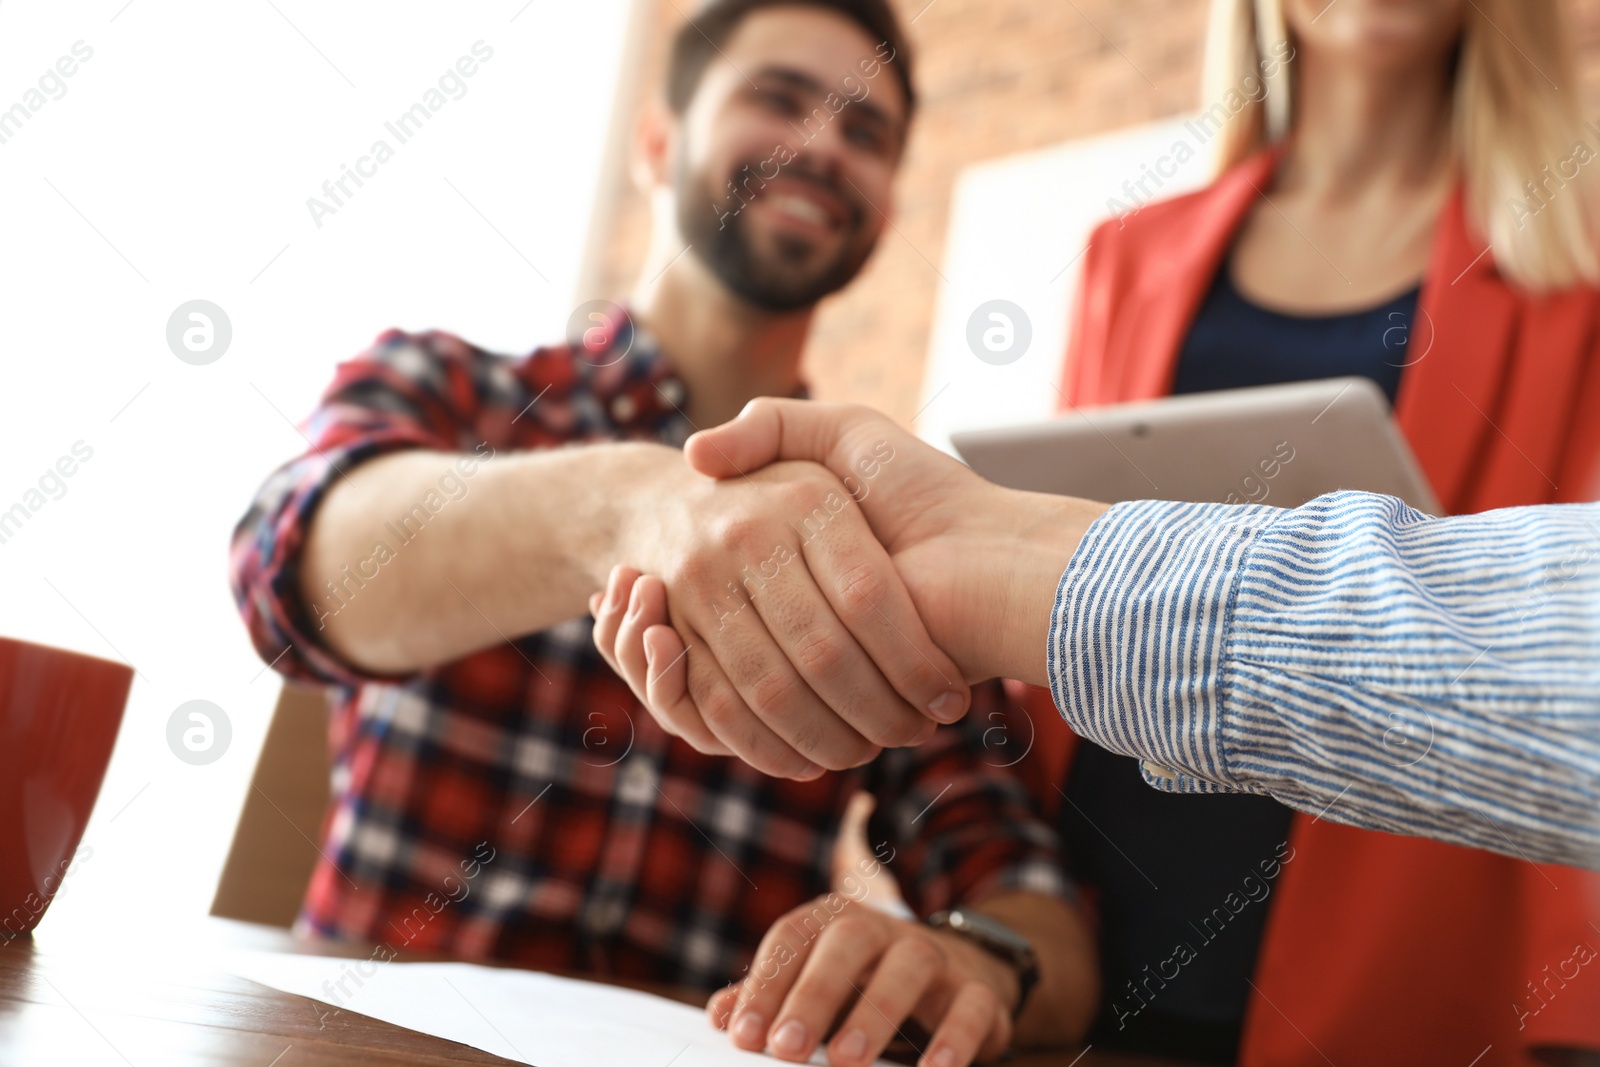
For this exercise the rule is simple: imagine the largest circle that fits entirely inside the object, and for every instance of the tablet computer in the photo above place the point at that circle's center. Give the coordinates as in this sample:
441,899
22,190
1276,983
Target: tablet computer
1278,444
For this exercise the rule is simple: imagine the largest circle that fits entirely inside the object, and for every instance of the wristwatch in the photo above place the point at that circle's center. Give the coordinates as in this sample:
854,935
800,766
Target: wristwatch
998,939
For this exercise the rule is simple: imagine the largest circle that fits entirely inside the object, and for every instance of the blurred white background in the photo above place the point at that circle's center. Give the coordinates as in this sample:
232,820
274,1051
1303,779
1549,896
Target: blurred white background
176,165
1033,259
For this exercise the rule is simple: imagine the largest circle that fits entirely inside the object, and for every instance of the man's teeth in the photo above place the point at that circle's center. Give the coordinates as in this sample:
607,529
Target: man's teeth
801,209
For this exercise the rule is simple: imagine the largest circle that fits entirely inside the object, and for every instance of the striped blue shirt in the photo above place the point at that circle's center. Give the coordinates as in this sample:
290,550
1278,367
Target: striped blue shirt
1353,658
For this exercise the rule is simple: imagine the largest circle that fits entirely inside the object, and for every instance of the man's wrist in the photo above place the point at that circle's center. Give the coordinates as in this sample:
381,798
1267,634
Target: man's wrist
1007,956
627,508
1044,533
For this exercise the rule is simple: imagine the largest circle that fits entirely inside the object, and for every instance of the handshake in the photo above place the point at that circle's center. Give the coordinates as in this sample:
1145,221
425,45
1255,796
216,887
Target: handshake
846,584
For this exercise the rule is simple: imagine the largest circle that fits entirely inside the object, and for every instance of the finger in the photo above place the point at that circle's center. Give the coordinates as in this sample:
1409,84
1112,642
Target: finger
975,1026
666,696
851,851
647,610
714,701
608,615
822,986
858,874
667,670
647,607
747,644
778,960
905,972
720,1007
770,429
867,595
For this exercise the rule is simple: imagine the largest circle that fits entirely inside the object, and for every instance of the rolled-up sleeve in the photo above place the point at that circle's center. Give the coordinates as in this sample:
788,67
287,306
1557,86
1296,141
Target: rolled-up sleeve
1353,658
406,391
959,819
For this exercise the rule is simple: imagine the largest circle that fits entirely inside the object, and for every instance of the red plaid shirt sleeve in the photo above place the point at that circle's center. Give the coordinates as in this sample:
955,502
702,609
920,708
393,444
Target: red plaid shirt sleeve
960,821
405,391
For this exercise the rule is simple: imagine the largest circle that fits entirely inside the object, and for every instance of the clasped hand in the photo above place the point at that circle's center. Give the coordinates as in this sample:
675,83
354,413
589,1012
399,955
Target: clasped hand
922,579
789,622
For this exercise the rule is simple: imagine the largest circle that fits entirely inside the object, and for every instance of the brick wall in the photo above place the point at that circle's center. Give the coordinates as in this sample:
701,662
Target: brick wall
995,77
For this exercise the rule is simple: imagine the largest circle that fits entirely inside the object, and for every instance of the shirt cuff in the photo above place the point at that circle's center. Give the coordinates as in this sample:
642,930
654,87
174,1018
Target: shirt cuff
285,629
1138,635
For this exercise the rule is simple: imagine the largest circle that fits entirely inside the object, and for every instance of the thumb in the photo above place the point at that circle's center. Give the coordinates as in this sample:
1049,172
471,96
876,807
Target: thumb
770,429
857,872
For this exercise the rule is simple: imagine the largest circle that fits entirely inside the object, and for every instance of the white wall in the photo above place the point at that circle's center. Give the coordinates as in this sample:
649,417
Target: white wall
1018,226
177,165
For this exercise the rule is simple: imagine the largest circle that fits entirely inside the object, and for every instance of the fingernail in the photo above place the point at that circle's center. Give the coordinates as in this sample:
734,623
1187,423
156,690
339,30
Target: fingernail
649,654
810,772
852,1045
790,1038
947,707
945,1057
750,1028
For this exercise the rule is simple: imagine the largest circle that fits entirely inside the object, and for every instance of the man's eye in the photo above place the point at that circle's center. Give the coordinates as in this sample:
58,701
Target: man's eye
868,138
782,103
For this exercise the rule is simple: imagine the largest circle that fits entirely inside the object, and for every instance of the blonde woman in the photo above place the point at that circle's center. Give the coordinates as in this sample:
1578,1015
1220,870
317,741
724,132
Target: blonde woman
1408,199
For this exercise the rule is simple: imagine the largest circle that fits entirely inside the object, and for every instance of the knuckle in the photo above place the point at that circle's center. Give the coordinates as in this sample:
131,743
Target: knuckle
808,737
693,570
820,653
774,692
795,918
738,532
719,710
896,732
852,928
923,953
801,488
984,996
861,588
797,767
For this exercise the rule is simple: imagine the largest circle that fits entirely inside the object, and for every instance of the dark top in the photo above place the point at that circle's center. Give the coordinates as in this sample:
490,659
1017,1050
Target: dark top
1235,344
1185,880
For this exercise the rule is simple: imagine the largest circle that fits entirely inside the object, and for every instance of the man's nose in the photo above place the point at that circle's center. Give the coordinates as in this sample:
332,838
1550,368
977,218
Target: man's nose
823,154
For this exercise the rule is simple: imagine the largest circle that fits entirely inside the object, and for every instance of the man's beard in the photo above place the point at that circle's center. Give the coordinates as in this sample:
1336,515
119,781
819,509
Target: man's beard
776,281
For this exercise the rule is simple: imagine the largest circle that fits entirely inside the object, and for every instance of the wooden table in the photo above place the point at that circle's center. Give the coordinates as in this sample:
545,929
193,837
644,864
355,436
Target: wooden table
91,1001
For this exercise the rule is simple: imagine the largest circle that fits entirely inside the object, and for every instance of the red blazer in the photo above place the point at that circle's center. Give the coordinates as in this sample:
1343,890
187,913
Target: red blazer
1382,949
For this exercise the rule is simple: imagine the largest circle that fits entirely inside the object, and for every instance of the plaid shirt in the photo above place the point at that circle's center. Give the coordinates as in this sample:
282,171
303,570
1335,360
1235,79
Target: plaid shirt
519,803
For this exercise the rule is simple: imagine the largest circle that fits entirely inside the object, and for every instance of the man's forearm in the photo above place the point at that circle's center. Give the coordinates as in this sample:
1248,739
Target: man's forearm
411,561
1064,1001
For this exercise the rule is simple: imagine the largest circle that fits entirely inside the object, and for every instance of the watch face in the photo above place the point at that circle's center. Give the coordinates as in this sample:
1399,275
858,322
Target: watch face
990,930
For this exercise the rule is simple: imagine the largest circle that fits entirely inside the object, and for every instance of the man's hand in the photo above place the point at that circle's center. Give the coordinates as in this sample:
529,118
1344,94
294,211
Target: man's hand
981,563
803,646
834,966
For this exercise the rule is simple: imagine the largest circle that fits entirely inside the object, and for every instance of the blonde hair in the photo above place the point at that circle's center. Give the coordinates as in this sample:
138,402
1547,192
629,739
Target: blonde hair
1517,127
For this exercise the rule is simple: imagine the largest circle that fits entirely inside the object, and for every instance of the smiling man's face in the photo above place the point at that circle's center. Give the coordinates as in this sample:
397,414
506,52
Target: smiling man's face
802,115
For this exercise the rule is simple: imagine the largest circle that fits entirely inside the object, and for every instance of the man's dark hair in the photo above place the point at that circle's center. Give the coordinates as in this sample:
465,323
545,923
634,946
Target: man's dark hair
700,40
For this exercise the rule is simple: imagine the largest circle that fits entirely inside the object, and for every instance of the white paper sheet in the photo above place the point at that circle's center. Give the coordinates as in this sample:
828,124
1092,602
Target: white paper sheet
525,1016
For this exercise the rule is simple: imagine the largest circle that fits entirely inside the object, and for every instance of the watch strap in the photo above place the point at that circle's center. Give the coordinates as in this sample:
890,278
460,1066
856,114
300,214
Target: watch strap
998,939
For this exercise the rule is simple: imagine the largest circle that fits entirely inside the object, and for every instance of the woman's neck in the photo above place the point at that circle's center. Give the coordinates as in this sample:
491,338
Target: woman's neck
1358,130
